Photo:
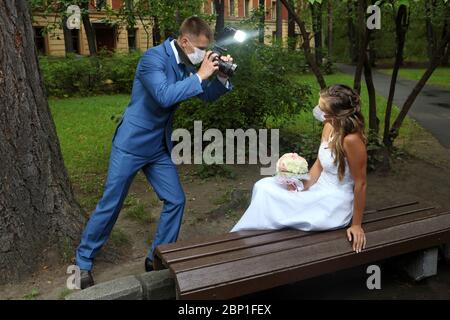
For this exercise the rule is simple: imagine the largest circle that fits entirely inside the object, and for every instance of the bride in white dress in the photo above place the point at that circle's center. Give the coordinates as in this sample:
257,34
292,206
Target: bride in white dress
334,196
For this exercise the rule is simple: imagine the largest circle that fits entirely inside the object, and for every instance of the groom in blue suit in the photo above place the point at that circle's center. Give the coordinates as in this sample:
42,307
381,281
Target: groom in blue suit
165,76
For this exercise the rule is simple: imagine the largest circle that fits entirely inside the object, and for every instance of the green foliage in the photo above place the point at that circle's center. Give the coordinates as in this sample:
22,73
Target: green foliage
75,75
262,89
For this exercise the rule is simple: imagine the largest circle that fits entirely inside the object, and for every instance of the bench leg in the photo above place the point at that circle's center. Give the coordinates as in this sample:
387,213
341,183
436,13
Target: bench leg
422,264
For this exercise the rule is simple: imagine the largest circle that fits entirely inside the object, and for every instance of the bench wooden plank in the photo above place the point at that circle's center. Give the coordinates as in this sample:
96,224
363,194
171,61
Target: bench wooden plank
202,241
263,248
276,236
270,270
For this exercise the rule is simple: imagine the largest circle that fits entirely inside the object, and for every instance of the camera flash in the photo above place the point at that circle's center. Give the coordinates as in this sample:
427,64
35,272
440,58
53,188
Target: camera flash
240,36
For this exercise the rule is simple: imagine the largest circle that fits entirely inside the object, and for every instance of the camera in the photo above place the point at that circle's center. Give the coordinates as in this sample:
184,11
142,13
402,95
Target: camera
227,36
227,68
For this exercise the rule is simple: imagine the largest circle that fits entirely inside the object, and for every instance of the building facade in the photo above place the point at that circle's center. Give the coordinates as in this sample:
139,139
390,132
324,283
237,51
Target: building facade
118,38
113,38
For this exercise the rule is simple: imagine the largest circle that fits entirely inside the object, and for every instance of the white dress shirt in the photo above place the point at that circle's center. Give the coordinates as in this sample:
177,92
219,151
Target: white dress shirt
223,80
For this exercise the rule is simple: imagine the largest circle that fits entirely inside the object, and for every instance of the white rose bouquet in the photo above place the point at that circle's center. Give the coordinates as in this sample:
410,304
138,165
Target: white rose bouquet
291,169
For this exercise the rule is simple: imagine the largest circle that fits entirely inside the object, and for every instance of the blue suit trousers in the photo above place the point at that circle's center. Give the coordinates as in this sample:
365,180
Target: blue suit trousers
162,175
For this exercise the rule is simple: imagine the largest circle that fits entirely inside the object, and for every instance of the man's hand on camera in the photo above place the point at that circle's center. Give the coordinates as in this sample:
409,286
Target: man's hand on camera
209,65
227,58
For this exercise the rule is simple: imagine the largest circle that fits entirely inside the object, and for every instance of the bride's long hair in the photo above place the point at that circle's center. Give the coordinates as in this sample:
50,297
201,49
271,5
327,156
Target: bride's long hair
343,104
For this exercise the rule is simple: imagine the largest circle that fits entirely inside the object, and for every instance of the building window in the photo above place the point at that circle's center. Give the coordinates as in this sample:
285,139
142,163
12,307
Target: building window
213,7
105,36
274,10
247,8
132,39
39,40
231,7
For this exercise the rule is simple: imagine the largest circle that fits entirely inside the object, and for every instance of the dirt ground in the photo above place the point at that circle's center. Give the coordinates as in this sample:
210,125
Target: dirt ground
216,203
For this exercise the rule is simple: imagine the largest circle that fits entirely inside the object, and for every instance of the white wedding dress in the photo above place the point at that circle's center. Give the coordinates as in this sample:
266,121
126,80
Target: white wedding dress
326,205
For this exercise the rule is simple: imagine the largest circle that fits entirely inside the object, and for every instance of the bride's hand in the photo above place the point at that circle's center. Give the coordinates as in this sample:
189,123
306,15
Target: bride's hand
356,233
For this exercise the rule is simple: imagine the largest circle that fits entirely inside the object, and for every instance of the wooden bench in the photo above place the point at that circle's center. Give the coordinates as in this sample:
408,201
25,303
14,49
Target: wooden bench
234,264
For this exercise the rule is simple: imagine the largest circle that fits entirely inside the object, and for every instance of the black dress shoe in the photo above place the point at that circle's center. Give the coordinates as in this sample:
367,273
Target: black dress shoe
86,279
148,265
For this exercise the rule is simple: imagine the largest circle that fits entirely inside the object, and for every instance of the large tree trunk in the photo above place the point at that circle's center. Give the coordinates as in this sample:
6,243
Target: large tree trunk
38,210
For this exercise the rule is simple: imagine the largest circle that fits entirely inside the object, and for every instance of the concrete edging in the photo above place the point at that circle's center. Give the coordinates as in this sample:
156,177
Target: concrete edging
155,285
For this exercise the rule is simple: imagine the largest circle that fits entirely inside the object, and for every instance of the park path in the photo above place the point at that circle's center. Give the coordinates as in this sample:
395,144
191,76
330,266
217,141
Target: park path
431,108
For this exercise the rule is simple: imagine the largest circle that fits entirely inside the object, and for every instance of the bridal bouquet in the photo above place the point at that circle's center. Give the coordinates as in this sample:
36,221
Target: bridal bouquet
291,169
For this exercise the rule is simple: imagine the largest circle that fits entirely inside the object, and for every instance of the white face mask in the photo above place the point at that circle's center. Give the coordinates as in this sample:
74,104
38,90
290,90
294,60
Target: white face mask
319,114
197,56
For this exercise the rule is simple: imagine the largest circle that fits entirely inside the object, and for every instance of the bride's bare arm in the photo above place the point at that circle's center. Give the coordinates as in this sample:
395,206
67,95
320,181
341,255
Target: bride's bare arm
356,153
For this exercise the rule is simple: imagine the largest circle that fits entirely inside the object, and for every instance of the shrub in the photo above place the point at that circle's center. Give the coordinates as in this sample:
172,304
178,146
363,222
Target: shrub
79,76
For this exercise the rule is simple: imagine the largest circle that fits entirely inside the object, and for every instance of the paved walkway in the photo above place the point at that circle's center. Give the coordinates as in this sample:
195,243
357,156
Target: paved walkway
431,108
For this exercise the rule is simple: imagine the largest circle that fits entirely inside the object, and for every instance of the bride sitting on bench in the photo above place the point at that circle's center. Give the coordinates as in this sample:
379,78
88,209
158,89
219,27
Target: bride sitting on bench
335,194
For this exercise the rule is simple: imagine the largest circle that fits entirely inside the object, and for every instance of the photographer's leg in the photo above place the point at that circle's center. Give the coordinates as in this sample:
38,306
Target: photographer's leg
163,176
122,169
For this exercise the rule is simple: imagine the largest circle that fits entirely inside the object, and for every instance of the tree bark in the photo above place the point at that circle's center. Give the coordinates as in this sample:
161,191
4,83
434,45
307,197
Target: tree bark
431,37
351,33
68,43
363,39
292,39
330,29
279,22
316,17
90,32
38,210
435,62
220,19
400,30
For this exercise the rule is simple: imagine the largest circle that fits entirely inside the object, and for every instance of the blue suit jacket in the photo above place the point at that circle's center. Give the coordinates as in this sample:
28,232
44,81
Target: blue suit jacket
158,88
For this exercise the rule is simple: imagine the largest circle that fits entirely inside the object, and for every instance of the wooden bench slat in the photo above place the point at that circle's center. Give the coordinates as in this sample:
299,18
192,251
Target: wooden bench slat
278,262
241,243
267,248
195,243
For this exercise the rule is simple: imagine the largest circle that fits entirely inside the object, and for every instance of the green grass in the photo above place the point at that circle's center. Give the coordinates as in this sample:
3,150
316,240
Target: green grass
85,131
440,76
